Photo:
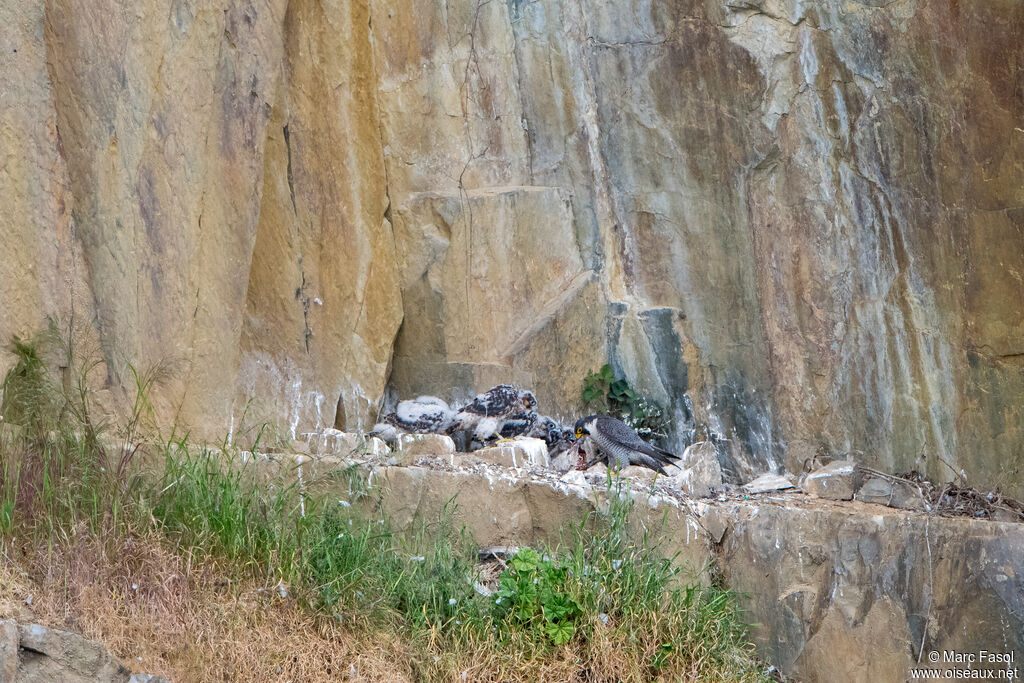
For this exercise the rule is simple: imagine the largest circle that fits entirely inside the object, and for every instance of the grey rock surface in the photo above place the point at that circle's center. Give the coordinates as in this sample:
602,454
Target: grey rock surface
46,655
411,446
895,493
835,481
522,452
698,472
8,650
768,482
839,590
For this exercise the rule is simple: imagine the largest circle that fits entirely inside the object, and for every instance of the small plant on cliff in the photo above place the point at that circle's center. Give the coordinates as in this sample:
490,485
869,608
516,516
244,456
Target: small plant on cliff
29,396
603,393
532,596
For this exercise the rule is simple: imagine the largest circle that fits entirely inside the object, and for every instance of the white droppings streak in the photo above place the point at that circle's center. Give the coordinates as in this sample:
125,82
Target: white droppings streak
808,58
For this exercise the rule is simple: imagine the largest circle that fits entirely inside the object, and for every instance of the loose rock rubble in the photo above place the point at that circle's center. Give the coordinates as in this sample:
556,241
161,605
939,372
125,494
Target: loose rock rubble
697,474
31,653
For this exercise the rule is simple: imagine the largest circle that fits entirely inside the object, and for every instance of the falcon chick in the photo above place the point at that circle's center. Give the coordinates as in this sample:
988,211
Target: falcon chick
618,444
422,415
557,436
489,411
518,424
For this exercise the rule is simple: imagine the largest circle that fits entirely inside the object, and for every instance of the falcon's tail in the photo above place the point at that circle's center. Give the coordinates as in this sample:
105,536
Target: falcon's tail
653,464
659,454
666,456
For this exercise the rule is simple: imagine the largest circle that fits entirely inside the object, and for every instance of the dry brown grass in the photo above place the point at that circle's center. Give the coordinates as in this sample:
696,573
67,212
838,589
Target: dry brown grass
187,622
162,615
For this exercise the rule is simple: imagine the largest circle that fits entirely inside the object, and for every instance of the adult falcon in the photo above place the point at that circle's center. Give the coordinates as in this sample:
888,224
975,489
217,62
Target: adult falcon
489,411
602,437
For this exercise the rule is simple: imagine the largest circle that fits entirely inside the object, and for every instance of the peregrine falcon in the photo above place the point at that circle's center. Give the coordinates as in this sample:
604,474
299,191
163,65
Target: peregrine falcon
618,444
519,424
489,411
422,415
386,433
557,436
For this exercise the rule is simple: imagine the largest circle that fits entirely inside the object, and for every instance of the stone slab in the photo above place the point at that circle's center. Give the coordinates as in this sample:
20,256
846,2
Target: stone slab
834,481
522,452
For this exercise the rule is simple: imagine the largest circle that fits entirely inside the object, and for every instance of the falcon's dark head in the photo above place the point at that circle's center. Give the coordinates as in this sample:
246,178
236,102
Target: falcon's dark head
584,424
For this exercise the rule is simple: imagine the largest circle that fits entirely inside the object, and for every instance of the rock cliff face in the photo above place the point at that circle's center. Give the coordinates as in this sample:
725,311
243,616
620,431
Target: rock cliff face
800,225
839,591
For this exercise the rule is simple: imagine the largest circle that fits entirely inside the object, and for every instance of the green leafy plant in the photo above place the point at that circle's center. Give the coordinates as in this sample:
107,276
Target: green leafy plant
597,384
532,595
603,393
